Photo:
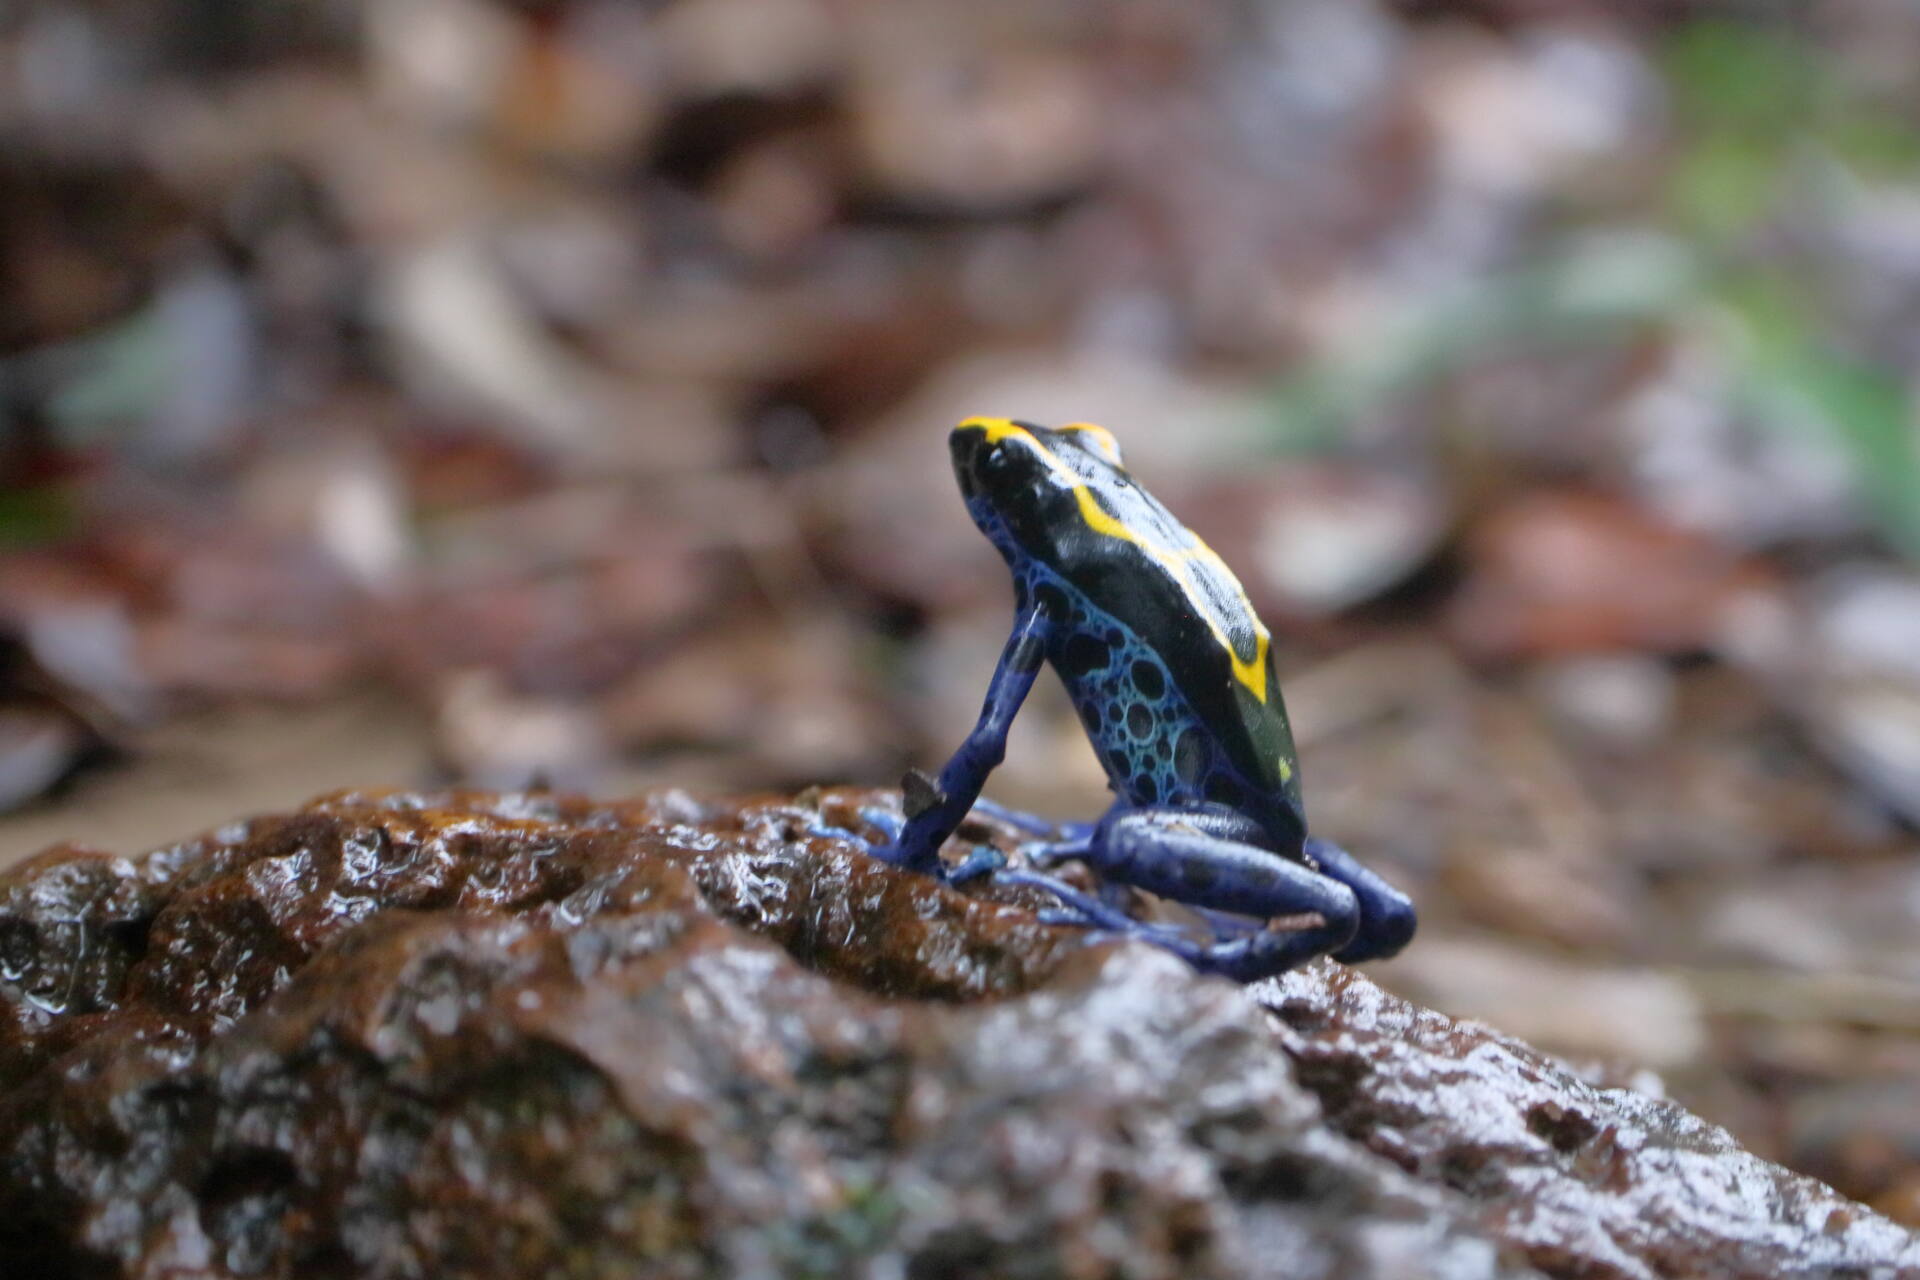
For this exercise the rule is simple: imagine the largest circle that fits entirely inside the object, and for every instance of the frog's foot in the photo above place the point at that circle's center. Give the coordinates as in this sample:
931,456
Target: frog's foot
885,821
1292,912
1048,853
984,860
888,848
981,861
1062,840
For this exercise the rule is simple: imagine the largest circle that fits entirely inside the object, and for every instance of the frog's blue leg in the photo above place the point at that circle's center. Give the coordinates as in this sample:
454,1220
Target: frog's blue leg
1083,908
1033,824
1072,841
1199,859
886,820
984,859
1387,920
936,807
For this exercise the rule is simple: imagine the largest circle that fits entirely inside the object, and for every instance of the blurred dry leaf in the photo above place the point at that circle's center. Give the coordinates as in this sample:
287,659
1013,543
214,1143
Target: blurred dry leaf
1566,571
1311,539
200,658
757,47
489,735
1859,688
343,496
786,698
39,746
1623,701
772,200
944,122
589,92
84,643
447,61
1513,117
1694,453
465,340
1532,893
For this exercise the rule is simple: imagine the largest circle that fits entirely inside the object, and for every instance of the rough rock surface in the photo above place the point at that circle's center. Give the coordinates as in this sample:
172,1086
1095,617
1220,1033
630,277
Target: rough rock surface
466,1034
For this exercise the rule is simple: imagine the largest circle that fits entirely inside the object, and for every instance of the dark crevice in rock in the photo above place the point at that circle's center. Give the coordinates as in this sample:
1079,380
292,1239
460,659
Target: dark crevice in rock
1567,1129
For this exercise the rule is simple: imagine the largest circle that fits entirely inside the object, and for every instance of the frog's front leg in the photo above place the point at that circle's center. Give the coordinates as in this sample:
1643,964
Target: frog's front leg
1209,859
936,807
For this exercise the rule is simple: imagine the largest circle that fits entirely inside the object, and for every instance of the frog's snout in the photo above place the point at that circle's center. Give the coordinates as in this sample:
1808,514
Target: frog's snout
966,443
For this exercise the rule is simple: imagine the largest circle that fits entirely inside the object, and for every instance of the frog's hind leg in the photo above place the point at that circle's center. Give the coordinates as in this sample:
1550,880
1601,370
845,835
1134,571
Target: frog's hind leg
1246,957
936,807
1387,920
1081,908
1207,860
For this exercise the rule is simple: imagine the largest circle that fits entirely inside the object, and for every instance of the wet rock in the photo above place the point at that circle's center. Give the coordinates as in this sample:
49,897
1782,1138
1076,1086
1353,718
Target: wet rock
463,1033
1581,1180
1586,1011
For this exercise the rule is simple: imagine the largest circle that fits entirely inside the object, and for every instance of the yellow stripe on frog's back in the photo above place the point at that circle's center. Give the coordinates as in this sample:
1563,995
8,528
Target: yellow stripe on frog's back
1178,561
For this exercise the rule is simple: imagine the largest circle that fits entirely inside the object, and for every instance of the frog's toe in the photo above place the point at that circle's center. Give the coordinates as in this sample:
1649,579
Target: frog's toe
886,821
1047,853
1088,911
983,860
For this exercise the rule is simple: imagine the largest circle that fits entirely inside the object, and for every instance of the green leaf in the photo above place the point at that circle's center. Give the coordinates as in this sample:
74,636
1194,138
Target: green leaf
1869,413
1598,287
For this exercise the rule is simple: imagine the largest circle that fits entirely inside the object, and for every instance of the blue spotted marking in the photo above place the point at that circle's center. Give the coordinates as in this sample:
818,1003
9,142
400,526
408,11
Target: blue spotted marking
1153,745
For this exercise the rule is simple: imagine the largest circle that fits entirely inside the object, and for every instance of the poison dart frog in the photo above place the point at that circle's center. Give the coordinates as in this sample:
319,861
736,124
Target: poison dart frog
1172,674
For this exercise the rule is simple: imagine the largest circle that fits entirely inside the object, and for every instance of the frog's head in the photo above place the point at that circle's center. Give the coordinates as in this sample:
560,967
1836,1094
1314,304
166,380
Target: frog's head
1023,483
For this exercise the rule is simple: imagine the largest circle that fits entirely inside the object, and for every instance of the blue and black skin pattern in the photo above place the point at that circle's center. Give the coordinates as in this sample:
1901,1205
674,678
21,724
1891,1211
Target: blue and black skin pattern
1172,674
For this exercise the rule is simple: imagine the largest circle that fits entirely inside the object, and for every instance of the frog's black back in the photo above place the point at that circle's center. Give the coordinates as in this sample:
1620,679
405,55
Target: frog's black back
1163,656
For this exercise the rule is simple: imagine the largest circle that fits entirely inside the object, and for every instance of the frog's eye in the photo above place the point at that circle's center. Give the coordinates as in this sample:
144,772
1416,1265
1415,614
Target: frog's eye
997,460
